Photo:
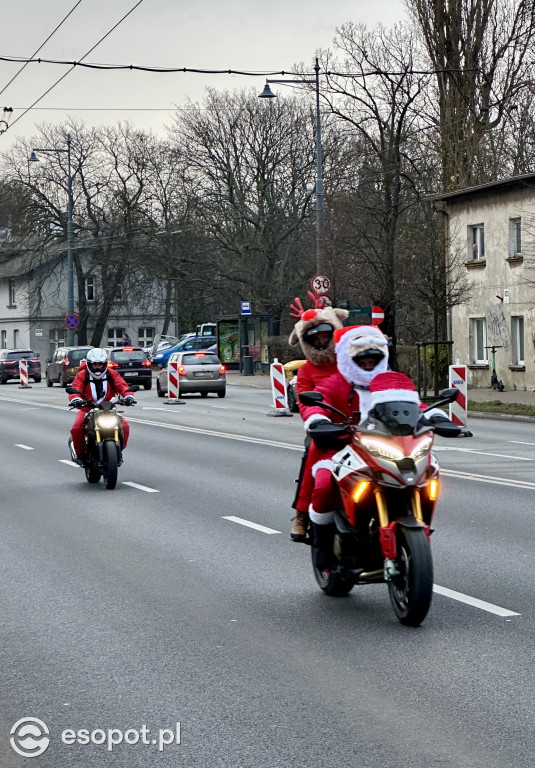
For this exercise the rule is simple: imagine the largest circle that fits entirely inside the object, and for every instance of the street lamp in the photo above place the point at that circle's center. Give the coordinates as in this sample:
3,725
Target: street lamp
70,262
267,93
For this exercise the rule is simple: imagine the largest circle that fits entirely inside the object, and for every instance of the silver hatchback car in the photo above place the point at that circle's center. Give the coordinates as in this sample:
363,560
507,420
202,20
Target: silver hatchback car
198,372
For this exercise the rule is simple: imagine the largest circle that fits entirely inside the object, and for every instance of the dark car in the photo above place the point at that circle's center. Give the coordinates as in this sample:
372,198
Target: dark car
9,364
64,365
132,363
188,345
198,372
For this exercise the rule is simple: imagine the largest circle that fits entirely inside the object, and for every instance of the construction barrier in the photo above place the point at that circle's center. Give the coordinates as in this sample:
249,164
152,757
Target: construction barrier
23,371
278,385
173,384
459,408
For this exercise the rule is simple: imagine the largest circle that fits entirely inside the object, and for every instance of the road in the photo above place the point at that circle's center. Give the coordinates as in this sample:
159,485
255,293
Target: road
147,606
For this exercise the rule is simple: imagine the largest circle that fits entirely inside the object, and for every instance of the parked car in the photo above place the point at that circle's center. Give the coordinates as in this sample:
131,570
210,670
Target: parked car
290,372
132,363
198,372
164,343
194,343
9,364
64,364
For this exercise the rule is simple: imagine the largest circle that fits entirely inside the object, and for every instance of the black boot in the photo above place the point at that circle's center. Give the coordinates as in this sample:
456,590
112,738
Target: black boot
322,545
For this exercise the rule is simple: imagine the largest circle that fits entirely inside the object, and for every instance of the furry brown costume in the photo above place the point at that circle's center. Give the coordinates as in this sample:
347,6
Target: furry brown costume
310,319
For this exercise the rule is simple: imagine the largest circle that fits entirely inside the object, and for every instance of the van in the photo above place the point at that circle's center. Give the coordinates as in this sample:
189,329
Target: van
207,329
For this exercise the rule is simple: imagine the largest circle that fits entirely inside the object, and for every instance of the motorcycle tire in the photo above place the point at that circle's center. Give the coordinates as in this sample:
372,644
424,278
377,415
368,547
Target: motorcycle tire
331,582
92,473
111,465
412,591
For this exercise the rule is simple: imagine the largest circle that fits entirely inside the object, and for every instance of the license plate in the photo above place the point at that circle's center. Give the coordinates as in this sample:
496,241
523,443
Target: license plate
202,374
131,373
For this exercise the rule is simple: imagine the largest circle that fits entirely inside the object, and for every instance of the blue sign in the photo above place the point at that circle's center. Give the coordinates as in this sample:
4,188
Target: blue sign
245,307
72,321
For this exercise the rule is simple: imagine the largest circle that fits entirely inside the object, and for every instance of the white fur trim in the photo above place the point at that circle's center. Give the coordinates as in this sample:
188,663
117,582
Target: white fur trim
313,418
323,464
320,518
394,396
349,369
435,412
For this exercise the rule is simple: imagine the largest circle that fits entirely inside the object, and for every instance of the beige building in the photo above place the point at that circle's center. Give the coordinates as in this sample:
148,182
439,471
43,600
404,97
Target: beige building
492,228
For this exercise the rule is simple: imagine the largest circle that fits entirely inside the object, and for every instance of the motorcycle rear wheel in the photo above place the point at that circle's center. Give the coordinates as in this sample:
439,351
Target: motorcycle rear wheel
412,591
111,465
92,473
331,582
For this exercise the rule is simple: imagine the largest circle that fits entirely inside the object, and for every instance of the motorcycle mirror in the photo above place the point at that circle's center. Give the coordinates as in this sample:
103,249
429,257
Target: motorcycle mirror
446,396
311,398
133,388
71,391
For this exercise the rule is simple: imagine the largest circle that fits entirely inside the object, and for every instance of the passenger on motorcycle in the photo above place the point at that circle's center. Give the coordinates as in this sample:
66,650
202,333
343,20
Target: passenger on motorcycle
314,333
97,383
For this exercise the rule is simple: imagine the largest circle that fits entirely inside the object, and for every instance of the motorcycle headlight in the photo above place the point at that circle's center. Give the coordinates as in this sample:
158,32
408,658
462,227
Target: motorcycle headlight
422,448
107,421
381,449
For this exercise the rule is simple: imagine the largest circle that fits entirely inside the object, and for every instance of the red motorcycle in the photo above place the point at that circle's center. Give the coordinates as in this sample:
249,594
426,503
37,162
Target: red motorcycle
388,483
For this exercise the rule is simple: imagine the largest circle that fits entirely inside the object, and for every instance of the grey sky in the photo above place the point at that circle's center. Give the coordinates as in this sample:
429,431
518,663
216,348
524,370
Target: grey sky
205,34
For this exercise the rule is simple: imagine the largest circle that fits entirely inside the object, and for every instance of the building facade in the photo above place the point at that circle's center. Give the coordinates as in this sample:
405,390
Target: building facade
492,226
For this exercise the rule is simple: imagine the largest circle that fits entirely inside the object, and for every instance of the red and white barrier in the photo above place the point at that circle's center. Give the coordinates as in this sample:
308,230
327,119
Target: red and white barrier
173,384
459,408
23,372
278,385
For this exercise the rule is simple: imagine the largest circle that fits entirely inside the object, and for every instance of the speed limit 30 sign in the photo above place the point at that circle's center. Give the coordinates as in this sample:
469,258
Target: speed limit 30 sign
320,284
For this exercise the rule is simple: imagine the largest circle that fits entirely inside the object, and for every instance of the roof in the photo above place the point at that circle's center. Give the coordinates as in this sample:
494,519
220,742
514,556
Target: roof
525,180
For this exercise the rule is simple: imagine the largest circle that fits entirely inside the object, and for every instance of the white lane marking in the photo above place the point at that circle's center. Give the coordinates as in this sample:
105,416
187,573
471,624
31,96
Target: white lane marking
141,487
248,523
484,606
488,479
24,447
480,453
520,442
154,408
33,408
69,463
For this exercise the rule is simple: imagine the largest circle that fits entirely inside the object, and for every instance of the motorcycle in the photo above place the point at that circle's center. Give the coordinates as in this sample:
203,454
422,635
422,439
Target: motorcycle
388,484
103,434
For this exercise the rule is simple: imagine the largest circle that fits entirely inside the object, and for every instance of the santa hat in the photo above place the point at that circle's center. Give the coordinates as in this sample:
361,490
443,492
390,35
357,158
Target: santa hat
357,338
392,387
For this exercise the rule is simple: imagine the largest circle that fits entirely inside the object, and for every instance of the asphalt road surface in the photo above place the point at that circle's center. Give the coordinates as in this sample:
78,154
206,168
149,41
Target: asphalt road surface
125,612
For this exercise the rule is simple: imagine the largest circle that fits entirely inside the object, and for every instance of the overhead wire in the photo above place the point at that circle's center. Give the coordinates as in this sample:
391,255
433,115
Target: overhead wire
74,65
40,47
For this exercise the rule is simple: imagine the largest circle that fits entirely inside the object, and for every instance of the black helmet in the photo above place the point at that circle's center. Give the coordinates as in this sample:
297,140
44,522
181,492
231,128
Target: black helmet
311,335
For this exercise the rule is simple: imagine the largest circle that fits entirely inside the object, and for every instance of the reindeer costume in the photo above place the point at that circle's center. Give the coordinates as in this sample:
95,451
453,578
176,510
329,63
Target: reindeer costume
321,363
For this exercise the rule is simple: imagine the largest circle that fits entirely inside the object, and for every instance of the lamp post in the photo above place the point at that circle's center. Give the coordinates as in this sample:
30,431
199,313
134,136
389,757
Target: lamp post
267,93
70,261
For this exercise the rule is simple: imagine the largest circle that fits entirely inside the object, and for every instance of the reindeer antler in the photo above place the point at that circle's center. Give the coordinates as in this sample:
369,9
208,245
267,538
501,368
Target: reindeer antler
315,299
297,308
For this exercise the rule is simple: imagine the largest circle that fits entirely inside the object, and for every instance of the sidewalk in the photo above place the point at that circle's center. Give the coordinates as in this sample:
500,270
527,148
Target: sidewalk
508,396
258,381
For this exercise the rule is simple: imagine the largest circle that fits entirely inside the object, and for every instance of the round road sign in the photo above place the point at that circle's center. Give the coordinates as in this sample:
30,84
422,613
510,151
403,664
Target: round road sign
320,284
378,315
72,321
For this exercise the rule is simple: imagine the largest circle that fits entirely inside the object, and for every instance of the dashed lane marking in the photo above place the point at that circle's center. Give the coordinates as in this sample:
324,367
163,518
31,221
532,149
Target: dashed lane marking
249,524
140,487
24,447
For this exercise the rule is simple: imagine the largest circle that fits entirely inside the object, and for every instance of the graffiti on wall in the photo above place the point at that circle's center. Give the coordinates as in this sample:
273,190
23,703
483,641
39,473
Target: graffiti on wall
497,327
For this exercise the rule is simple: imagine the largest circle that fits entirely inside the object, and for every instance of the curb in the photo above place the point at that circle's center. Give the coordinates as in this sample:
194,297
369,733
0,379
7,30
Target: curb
500,416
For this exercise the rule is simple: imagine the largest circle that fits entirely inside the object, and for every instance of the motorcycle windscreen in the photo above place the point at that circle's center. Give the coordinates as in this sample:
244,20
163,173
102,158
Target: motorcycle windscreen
399,418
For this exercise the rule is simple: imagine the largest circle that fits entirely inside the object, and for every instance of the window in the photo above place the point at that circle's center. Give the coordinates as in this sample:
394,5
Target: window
115,336
515,237
118,293
517,338
11,288
476,242
16,338
90,288
145,336
4,339
56,338
478,341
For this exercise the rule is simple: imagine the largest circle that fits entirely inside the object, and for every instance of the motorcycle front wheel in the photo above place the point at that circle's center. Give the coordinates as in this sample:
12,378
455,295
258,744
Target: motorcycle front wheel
411,591
111,465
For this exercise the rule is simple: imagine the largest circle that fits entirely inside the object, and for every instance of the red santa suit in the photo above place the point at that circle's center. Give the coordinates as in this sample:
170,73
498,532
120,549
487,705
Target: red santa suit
112,384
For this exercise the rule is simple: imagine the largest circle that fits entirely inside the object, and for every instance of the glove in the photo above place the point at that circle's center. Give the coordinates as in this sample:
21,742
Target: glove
77,402
129,400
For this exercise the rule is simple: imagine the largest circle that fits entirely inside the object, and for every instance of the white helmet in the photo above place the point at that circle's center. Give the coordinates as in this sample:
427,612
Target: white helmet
97,363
